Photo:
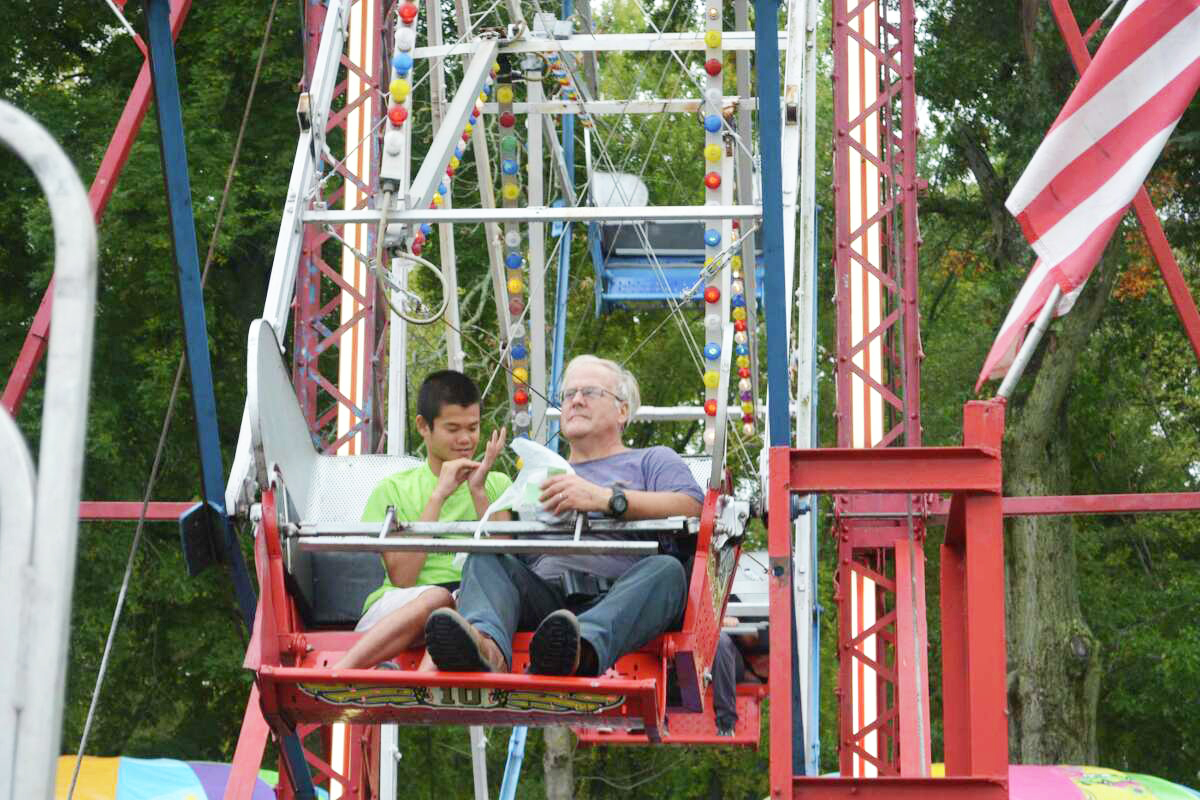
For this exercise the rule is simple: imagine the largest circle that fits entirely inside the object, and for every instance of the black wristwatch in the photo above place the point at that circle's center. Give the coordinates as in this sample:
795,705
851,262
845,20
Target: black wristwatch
618,504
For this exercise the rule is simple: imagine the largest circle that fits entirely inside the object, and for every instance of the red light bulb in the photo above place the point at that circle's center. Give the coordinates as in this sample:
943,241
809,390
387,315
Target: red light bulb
712,180
712,294
712,67
710,407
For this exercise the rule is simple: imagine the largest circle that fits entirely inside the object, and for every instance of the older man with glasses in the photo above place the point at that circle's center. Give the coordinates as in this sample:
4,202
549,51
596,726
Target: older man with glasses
585,611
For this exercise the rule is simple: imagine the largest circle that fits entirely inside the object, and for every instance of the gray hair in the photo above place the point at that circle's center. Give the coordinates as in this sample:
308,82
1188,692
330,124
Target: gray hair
627,385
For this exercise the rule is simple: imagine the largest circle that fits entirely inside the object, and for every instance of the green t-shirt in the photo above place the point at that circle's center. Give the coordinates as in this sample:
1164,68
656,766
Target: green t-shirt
408,492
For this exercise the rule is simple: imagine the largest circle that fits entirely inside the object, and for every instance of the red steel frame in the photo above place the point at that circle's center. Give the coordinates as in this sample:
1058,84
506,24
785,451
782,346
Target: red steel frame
873,542
974,715
321,289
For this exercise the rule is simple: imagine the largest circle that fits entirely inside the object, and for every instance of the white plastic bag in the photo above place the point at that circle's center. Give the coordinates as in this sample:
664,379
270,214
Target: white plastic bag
538,463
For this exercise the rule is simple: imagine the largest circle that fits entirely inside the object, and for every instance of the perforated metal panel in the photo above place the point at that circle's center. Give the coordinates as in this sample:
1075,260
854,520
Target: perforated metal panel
700,467
340,485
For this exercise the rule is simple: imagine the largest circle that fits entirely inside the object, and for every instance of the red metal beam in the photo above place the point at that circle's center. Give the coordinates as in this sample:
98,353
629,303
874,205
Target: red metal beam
92,510
119,147
896,469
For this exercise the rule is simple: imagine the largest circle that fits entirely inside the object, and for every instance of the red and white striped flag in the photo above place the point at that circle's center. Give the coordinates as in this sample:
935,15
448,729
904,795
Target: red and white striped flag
1097,154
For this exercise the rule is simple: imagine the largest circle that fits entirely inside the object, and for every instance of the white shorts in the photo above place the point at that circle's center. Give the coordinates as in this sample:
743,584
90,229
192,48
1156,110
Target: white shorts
391,600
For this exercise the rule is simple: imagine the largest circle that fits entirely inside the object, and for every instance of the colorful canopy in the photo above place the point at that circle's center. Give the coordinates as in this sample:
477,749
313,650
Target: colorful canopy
153,779
1062,782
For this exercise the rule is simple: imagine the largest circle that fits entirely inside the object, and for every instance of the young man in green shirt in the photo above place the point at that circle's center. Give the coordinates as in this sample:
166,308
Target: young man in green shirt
449,487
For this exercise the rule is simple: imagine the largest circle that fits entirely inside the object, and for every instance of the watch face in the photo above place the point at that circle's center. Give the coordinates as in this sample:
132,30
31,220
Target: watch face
618,504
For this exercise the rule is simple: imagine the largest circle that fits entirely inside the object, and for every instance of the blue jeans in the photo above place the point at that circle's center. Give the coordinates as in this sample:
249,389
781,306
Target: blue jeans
501,595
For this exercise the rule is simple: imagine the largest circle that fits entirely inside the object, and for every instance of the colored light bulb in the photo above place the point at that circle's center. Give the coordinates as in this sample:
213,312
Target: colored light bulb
747,397
408,12
399,90
515,306
749,418
508,145
712,152
712,180
713,66
736,261
458,151
712,39
712,379
397,114
712,294
742,350
737,287
405,38
419,239
402,63
743,372
738,313
508,166
518,352
415,249
426,228
515,286
520,375
466,137
449,171
437,200
520,397
442,187
513,260
455,161
738,301
748,429
748,408
744,384
712,238
740,325
712,351
507,119
710,407
743,361
712,123
741,337
510,191
504,94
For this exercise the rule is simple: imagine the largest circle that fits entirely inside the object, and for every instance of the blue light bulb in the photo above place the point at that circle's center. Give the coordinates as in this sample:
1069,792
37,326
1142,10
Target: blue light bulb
442,188
513,260
712,351
741,350
402,63
518,352
508,166
738,301
712,123
426,228
712,238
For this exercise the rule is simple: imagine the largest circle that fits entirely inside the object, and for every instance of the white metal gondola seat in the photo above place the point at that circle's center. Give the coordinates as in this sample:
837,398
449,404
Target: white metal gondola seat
310,511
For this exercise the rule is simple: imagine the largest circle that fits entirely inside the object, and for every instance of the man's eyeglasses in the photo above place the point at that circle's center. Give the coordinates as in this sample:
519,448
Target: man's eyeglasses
587,393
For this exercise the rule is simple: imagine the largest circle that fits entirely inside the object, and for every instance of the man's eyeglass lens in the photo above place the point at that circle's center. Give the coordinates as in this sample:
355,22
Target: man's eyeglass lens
587,392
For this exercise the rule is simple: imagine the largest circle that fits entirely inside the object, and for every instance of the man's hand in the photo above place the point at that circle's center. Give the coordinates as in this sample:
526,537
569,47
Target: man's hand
570,492
477,482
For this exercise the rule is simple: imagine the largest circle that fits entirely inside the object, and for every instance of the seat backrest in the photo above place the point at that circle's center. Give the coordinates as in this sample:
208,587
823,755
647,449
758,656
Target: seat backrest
329,588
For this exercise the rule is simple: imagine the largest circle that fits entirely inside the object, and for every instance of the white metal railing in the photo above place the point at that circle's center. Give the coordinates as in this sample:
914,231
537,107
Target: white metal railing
39,520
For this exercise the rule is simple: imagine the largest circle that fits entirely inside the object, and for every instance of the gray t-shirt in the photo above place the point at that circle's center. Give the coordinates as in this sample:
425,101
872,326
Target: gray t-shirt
654,469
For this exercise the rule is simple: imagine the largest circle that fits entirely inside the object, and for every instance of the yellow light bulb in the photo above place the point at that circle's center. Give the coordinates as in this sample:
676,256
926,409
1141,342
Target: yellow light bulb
712,379
504,94
515,286
712,152
437,199
399,90
739,313
747,407
712,38
520,375
510,191
743,361
736,262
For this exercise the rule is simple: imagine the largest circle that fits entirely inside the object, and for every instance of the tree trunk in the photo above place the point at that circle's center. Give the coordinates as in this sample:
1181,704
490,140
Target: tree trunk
559,763
1053,658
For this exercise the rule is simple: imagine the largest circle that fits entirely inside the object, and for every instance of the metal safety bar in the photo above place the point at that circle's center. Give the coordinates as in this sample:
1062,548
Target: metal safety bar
682,526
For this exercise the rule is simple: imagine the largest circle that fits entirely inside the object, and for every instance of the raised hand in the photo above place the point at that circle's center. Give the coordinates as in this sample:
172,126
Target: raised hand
478,477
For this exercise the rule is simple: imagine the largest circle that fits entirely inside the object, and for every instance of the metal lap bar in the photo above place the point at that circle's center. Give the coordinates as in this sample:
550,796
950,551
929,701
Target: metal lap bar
677,525
395,544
